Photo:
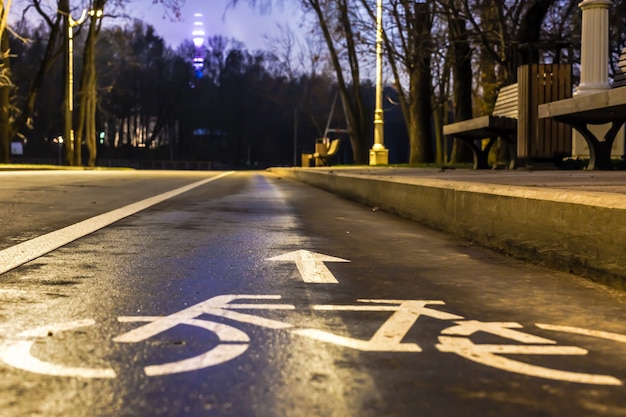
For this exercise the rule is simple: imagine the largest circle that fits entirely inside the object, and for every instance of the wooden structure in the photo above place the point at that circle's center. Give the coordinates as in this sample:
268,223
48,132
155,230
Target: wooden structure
542,139
501,123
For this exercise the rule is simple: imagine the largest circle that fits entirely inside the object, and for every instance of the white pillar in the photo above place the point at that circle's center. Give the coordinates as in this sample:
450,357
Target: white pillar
594,49
594,69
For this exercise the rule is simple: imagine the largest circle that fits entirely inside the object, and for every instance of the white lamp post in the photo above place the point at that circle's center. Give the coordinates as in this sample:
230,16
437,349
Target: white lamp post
379,155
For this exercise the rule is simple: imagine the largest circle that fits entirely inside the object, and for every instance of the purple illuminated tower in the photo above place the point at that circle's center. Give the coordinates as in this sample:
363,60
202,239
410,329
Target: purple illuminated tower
198,41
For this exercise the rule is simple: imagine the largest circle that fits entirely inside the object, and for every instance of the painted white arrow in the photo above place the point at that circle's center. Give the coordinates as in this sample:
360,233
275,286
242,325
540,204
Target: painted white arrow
311,265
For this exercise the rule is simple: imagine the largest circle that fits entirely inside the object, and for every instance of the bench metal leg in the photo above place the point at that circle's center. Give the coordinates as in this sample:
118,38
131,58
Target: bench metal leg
511,145
481,156
599,151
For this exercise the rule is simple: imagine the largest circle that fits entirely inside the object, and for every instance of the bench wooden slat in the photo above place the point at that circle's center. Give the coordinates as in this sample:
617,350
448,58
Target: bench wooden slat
505,108
481,127
506,102
596,108
619,80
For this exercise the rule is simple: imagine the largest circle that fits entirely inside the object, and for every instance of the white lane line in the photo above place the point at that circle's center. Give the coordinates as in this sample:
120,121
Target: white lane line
32,249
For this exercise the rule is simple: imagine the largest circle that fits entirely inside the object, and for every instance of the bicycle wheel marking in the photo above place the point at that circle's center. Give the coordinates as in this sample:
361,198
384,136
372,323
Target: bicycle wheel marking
237,342
456,341
17,354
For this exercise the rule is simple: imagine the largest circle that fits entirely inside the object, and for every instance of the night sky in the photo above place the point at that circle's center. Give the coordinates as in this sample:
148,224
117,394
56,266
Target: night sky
242,23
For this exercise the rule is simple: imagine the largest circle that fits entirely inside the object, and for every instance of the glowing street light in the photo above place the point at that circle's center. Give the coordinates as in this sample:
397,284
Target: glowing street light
69,95
379,155
69,81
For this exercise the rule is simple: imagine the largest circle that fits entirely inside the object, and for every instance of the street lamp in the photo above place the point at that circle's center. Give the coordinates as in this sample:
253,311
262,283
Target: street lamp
69,94
69,105
379,155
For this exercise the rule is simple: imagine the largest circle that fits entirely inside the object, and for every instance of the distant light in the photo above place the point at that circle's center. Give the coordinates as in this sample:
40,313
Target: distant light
198,64
198,33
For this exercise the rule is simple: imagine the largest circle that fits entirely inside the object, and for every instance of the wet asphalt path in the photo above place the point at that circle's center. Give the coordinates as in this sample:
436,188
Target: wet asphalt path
135,319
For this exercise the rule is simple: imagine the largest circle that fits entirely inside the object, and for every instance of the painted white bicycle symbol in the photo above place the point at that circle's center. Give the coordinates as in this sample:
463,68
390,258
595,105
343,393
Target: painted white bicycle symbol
233,342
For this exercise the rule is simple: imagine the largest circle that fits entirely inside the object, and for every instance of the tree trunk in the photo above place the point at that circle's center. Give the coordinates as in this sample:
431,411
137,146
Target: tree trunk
421,87
88,97
409,54
5,92
530,29
462,82
355,111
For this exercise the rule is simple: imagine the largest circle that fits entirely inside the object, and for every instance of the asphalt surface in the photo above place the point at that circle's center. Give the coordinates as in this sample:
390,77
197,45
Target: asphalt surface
289,346
569,220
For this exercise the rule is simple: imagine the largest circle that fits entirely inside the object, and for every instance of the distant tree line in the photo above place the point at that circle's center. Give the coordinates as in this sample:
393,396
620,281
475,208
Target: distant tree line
136,98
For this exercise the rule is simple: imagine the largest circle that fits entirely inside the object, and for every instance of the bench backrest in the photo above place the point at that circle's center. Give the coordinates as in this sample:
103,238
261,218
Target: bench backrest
620,72
507,102
333,148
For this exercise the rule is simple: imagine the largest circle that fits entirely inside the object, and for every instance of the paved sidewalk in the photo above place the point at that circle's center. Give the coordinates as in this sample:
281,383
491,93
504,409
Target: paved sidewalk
569,220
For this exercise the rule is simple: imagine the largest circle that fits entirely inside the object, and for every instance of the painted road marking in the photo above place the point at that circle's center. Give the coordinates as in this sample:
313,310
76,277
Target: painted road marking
34,248
214,306
502,329
586,332
489,355
388,337
311,265
233,342
17,354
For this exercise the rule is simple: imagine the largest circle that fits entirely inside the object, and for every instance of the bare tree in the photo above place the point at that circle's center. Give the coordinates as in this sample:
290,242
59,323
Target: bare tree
336,22
5,83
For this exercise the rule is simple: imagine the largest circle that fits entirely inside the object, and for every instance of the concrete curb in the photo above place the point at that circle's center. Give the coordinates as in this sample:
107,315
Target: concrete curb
580,232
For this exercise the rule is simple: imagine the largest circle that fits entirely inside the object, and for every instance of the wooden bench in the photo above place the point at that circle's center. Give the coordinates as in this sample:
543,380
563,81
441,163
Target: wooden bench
502,123
596,109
